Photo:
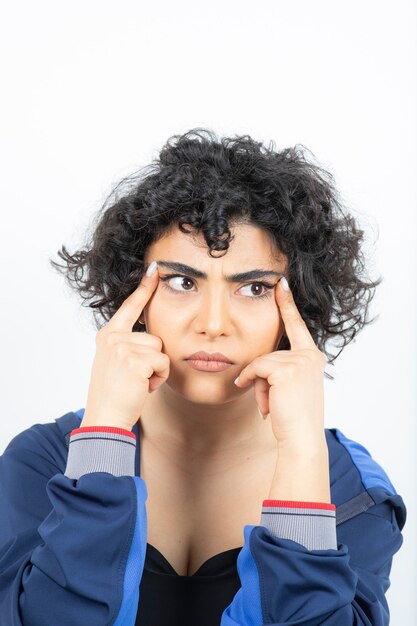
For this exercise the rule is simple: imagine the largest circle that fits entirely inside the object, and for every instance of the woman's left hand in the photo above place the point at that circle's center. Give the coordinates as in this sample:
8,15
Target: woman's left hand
288,384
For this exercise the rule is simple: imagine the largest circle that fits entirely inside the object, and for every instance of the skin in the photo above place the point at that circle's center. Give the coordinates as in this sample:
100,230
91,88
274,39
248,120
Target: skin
206,412
211,416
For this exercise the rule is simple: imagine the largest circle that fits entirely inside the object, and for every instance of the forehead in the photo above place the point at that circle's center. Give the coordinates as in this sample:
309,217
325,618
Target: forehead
249,244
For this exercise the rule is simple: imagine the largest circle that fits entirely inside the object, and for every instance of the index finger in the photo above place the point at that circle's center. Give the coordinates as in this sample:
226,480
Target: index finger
130,310
297,332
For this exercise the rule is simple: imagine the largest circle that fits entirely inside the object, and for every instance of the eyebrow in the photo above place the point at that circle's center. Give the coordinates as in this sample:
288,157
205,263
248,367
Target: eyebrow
231,278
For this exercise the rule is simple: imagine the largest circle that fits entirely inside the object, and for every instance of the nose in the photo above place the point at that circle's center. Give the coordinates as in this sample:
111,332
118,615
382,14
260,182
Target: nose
214,314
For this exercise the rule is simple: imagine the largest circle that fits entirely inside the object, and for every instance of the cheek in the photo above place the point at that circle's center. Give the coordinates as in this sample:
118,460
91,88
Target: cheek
160,312
262,334
273,330
152,308
280,326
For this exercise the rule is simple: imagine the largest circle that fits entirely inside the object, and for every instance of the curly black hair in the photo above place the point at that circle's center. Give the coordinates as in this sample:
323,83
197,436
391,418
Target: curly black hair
210,184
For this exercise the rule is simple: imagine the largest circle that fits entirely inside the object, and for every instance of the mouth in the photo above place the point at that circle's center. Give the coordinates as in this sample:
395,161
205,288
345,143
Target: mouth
217,357
209,362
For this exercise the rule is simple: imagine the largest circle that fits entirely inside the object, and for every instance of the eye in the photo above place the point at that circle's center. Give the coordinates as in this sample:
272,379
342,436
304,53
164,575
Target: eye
259,286
185,279
171,277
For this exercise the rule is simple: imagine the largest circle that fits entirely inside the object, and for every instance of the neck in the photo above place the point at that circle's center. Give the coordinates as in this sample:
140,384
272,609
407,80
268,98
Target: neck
230,428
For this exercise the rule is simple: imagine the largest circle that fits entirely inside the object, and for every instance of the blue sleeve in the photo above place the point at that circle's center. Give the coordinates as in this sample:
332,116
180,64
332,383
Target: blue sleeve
284,582
73,544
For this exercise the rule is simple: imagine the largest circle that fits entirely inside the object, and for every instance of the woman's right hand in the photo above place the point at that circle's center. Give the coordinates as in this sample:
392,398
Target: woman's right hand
127,365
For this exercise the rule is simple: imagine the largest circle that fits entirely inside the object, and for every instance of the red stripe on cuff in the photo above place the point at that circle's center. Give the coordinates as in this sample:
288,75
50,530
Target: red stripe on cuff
103,429
299,504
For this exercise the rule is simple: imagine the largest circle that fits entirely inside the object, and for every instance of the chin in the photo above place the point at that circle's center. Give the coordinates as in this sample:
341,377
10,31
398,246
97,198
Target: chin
203,388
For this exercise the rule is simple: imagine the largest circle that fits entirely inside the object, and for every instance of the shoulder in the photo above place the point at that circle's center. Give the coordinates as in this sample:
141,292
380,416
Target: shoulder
358,483
30,460
43,445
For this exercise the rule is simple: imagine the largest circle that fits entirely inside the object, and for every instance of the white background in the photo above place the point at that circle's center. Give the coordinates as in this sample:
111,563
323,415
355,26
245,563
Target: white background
92,90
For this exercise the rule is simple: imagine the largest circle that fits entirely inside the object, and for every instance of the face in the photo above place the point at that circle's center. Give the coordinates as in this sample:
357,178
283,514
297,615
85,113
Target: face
238,318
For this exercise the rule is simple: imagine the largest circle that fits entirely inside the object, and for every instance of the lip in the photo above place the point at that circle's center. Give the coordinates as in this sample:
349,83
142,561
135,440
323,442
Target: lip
208,366
207,356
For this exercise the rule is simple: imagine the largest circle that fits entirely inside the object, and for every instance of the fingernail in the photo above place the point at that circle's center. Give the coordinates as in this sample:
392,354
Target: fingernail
151,269
236,380
284,284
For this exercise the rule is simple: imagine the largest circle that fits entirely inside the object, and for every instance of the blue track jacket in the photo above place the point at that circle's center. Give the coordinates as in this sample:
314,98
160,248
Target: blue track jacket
73,535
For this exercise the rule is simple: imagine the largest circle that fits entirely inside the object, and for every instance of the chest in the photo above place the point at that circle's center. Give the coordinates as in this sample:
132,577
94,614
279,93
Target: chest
195,515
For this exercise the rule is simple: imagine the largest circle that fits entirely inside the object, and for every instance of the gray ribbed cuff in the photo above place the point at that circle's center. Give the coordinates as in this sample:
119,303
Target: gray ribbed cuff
315,529
100,451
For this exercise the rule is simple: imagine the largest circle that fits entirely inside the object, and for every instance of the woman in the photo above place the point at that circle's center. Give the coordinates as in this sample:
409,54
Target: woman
199,485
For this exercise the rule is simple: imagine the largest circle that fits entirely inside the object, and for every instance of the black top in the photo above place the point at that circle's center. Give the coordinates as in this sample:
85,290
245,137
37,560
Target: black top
168,599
